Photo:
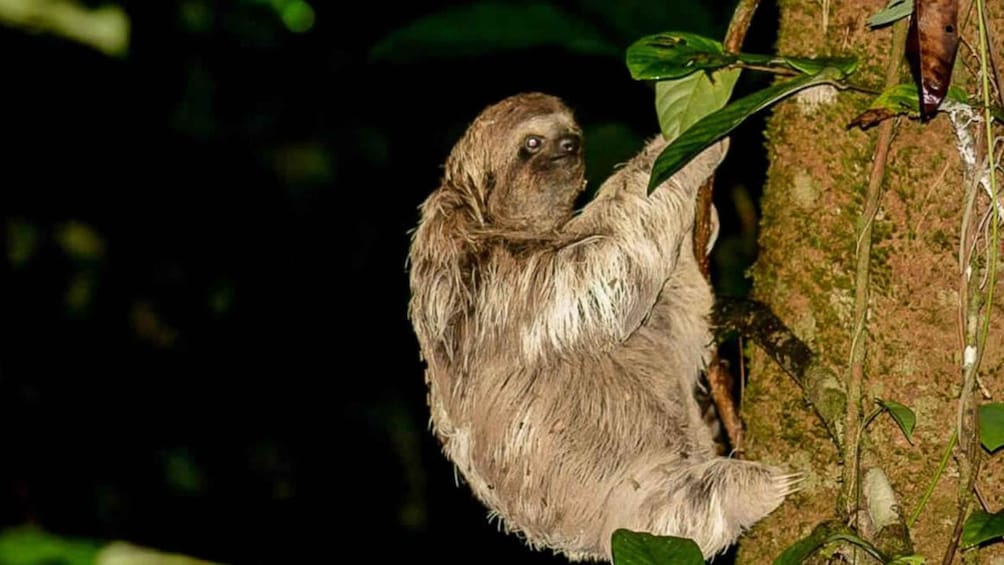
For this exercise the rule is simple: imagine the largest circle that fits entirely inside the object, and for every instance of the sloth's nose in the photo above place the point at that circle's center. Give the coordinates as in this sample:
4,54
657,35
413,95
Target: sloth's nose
569,144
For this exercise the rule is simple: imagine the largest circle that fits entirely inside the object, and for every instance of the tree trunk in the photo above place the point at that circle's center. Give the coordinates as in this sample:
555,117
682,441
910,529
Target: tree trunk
812,211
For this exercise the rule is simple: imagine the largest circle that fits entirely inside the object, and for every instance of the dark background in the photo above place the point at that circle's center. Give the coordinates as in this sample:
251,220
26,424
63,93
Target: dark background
205,346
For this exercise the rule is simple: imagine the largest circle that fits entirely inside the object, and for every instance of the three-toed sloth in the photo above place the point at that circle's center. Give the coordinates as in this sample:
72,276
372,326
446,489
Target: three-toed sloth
563,350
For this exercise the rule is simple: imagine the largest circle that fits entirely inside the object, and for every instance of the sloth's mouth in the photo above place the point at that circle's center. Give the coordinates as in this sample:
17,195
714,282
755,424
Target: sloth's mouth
563,156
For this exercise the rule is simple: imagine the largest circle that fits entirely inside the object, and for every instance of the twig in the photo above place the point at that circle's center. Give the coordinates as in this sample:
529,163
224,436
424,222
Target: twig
991,166
721,383
923,202
742,17
965,508
781,71
934,481
821,388
850,489
977,329
718,381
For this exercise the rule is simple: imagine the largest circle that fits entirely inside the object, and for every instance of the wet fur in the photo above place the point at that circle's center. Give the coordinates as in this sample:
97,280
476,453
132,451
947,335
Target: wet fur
563,350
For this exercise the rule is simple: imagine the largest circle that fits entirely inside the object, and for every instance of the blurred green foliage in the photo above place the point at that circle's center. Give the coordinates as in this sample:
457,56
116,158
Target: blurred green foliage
80,241
105,27
30,546
585,27
482,28
23,240
182,472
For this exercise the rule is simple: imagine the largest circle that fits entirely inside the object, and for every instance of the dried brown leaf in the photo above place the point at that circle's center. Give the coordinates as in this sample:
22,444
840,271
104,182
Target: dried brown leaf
931,46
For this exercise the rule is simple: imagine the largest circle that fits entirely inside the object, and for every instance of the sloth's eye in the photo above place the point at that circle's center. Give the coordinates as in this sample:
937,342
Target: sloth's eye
533,143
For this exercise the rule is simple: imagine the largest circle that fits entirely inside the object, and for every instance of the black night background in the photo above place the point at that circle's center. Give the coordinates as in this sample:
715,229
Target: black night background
205,340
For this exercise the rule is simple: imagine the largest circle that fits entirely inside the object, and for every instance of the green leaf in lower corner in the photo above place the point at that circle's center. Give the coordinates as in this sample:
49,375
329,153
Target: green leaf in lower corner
27,545
824,534
799,551
683,101
717,125
31,546
675,54
991,419
894,10
904,417
640,548
981,527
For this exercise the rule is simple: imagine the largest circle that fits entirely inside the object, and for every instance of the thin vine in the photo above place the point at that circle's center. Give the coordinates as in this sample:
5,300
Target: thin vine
850,487
979,308
720,381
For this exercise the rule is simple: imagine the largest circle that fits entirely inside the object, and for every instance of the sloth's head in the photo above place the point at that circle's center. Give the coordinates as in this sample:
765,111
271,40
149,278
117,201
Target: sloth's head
521,163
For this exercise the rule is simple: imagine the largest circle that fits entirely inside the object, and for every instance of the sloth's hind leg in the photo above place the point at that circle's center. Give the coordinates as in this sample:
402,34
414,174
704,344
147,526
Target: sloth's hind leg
714,501
711,502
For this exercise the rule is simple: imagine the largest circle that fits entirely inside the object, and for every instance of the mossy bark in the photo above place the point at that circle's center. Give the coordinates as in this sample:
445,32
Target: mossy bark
811,211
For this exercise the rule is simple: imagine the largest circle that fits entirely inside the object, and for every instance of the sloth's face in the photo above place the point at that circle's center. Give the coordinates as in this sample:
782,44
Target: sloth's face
541,175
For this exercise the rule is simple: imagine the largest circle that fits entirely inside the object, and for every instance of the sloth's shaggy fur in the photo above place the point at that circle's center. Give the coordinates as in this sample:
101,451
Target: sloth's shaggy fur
563,350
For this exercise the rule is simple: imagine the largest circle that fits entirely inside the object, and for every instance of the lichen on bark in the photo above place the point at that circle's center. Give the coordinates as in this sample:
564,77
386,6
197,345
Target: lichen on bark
805,273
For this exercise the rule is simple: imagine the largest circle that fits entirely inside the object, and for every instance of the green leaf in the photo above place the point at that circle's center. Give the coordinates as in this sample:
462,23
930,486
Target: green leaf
488,27
640,548
824,534
991,421
895,10
995,111
904,98
675,54
27,545
901,99
981,527
903,416
908,560
682,102
30,546
812,66
717,125
804,65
